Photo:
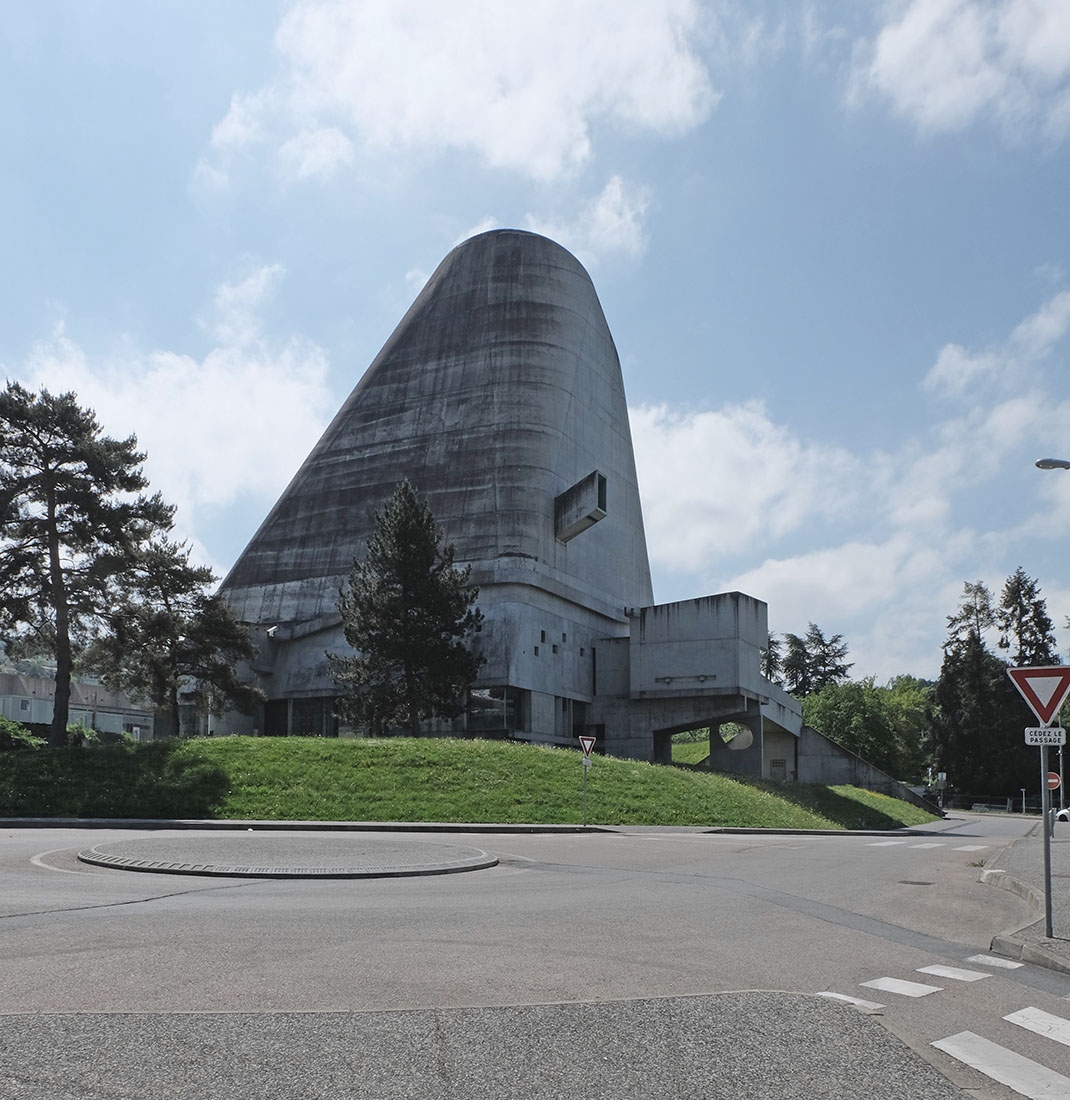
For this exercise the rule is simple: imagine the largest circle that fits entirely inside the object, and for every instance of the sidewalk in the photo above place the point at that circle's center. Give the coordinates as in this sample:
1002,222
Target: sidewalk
1020,868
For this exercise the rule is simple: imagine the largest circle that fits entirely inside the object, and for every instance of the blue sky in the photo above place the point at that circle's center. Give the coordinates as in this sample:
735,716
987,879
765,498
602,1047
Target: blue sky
831,240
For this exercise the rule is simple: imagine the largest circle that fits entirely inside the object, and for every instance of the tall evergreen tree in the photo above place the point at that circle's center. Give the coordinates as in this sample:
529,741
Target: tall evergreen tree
813,662
72,516
796,667
165,632
826,655
409,614
1024,626
771,659
979,715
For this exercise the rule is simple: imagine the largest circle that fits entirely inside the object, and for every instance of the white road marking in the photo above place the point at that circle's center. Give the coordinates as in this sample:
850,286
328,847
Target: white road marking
858,1002
993,960
904,989
1026,1077
953,972
940,845
39,861
1043,1023
884,843
971,848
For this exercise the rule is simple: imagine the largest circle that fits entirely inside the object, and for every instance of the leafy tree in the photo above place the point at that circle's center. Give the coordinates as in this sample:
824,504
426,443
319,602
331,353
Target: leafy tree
71,518
884,725
1024,626
165,632
409,614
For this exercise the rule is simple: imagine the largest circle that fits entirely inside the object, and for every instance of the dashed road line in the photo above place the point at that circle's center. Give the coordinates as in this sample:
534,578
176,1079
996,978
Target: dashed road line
1043,1023
856,1001
955,973
904,989
884,843
940,845
971,848
1026,1077
993,960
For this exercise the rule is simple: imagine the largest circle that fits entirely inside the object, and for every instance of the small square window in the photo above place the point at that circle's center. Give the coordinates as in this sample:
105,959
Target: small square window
582,651
555,648
24,704
542,635
536,651
564,638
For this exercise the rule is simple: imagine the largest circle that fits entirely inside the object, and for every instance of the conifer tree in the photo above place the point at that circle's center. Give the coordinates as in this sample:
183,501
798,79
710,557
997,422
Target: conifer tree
72,516
1023,623
409,614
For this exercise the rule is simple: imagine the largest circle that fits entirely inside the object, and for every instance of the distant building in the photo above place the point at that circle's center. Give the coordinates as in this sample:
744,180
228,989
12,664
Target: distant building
500,397
29,701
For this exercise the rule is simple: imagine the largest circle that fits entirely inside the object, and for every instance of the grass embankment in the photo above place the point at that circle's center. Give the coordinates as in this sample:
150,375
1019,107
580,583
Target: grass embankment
405,779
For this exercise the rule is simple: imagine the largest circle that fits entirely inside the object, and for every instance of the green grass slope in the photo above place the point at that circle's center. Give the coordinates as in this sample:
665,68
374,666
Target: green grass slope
406,779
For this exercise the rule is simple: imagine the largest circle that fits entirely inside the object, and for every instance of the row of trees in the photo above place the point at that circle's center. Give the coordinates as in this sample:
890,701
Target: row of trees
88,570
967,724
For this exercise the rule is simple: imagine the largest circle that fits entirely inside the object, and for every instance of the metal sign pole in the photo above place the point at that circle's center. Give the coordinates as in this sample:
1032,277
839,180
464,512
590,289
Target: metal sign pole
1045,803
586,769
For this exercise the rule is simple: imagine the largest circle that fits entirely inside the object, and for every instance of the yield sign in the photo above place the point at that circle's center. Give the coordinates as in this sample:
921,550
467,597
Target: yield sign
588,744
1044,689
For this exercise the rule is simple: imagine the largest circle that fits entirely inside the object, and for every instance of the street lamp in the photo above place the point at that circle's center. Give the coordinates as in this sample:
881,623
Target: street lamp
1052,464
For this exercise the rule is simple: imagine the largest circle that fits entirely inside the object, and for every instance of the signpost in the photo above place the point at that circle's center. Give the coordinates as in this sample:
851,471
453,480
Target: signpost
586,743
1045,689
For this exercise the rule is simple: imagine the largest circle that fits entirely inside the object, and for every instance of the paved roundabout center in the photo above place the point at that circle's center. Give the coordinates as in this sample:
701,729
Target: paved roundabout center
260,855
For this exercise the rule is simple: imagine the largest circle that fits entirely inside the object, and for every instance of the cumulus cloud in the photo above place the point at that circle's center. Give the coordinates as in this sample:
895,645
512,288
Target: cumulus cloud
236,422
958,371
886,538
947,63
521,86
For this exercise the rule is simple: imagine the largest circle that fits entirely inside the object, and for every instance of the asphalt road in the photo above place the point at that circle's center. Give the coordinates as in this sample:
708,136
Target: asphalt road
581,965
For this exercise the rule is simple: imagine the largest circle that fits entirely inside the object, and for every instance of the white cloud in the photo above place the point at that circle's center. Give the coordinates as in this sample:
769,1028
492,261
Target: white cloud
880,542
715,481
958,372
947,63
316,154
611,223
521,86
237,422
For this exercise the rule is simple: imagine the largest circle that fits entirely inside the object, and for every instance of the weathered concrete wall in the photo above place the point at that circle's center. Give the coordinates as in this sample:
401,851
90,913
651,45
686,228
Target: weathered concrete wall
823,761
499,390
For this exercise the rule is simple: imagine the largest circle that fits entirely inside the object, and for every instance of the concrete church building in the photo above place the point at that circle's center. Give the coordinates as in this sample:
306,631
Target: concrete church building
500,397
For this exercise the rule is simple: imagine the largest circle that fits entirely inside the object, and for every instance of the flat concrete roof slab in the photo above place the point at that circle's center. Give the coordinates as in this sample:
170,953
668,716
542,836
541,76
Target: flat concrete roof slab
257,855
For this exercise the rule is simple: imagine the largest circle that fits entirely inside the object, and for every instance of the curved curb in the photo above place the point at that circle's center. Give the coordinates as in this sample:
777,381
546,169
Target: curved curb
1006,944
165,867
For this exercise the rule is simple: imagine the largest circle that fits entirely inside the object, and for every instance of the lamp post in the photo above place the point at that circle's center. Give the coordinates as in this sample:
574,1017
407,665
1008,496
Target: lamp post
1056,464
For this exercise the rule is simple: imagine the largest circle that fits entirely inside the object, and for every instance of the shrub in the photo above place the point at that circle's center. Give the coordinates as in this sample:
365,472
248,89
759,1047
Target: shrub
14,736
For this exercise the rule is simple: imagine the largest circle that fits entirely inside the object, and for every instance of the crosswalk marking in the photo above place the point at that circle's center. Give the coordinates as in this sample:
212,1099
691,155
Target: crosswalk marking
1022,1074
884,843
953,972
1043,1023
940,845
971,848
857,1001
904,989
993,960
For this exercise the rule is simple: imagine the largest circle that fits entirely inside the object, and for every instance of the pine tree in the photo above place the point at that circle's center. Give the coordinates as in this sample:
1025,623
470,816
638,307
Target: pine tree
796,667
71,518
165,632
1023,623
827,664
409,614
772,661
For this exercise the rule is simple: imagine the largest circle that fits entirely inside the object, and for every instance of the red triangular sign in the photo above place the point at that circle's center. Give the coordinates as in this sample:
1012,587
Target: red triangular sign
1044,689
588,744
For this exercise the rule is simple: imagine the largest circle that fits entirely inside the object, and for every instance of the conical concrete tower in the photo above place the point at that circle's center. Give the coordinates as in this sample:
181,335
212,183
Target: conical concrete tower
499,396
